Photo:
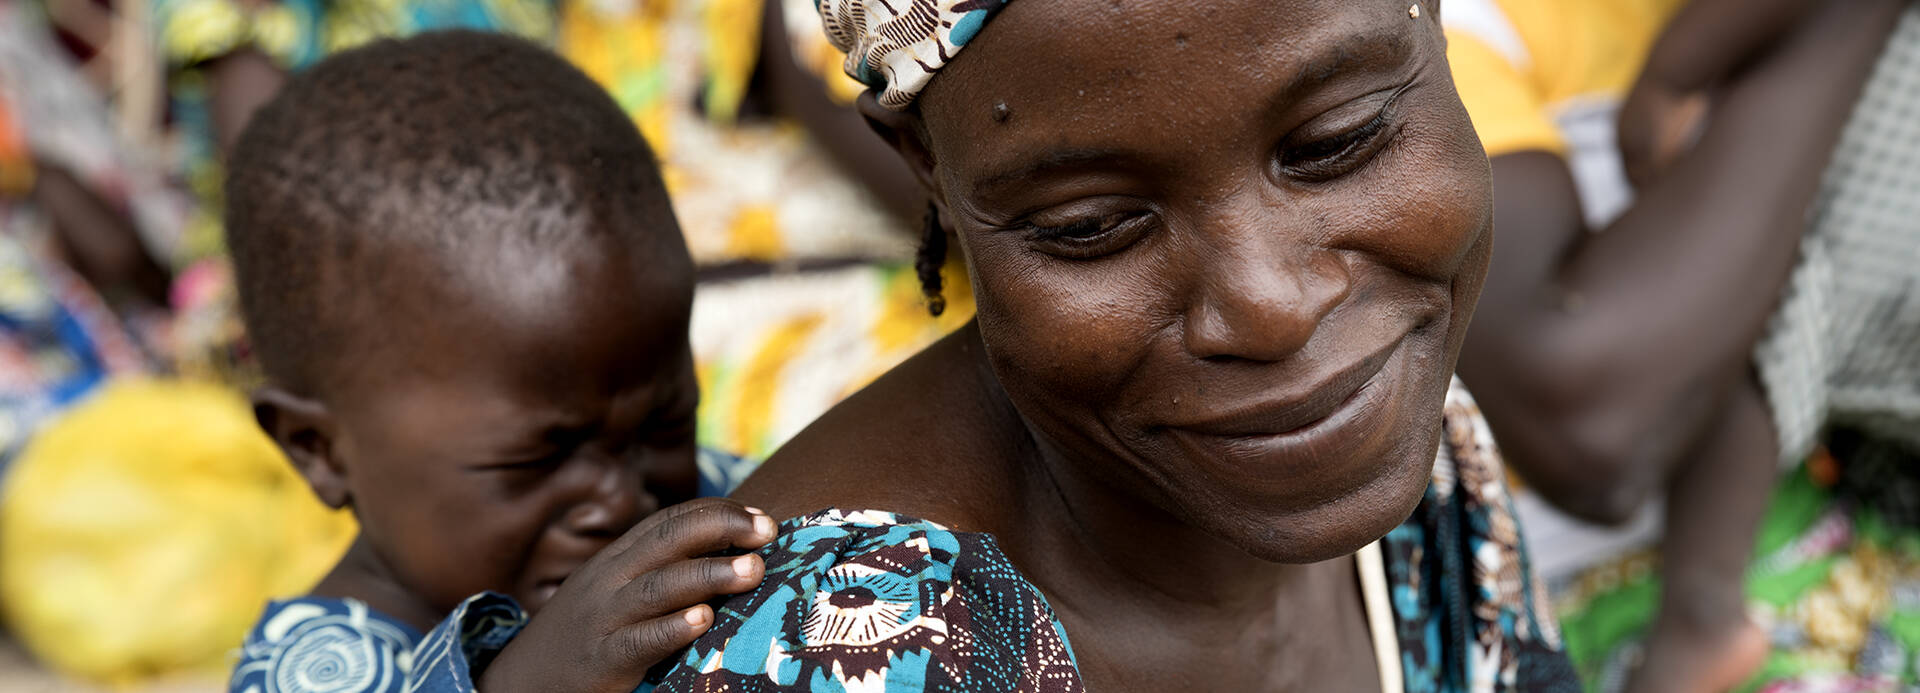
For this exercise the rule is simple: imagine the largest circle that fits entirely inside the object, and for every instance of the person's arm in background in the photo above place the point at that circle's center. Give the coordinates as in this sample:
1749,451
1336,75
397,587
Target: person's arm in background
238,84
841,131
98,240
1705,43
1598,357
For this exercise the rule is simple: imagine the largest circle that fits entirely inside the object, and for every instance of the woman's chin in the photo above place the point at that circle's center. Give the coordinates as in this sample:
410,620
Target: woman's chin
1335,527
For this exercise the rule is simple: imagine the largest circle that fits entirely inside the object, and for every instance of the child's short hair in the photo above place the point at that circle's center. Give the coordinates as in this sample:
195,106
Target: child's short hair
443,142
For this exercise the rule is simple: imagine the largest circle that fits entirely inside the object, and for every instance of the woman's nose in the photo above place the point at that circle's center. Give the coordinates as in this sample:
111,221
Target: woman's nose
1262,300
613,501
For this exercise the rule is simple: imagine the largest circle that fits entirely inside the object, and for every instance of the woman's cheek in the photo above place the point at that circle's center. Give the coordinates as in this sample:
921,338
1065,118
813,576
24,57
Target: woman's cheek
1076,329
1425,211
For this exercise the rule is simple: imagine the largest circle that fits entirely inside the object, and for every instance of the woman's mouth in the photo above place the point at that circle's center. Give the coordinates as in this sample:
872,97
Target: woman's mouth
1311,443
1303,411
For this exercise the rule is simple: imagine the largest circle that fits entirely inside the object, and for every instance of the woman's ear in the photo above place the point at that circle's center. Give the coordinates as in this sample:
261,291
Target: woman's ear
902,131
304,430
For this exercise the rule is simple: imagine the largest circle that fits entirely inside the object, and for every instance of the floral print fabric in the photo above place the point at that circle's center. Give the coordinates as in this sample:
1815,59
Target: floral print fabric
872,601
1472,616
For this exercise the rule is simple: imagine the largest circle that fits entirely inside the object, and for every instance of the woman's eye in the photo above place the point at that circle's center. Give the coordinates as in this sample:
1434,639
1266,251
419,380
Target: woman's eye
1337,155
539,464
1090,237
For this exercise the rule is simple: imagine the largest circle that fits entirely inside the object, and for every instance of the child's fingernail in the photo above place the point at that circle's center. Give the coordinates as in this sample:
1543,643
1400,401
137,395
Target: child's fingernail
743,566
697,616
763,526
755,510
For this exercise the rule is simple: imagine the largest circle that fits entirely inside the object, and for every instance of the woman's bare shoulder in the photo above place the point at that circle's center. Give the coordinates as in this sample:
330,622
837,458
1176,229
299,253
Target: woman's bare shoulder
927,440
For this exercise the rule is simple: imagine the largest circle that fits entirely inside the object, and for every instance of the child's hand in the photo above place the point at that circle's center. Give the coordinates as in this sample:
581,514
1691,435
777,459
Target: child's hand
636,602
1657,124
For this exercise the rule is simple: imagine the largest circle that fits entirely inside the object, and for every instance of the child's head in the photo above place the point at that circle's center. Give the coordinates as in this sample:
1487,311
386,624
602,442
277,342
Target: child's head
459,268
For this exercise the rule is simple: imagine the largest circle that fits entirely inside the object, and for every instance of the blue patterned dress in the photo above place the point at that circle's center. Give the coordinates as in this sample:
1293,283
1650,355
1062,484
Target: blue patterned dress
872,601
316,645
326,645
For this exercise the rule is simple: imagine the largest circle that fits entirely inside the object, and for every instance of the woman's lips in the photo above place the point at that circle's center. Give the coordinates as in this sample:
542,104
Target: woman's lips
1299,412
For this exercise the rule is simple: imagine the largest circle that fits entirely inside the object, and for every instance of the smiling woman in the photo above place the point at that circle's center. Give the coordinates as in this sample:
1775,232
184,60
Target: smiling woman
1224,255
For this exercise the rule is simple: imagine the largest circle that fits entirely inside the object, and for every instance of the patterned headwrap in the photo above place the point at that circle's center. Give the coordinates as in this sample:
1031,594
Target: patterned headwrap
895,46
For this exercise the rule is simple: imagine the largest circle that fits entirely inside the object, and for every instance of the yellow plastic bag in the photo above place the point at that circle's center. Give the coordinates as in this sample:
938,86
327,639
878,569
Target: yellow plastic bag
142,533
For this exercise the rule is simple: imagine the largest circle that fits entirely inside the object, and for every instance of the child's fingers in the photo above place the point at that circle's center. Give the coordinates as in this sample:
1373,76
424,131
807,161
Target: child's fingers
681,532
638,647
651,523
686,583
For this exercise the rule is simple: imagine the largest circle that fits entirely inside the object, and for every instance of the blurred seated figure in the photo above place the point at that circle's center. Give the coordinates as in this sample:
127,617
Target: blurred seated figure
1624,342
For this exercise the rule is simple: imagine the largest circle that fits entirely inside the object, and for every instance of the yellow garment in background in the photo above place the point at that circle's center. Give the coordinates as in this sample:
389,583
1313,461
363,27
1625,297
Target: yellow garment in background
142,534
745,188
1519,63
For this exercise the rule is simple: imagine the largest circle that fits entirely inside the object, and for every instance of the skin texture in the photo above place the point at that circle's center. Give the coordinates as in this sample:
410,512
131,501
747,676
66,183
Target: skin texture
524,410
1634,373
1222,278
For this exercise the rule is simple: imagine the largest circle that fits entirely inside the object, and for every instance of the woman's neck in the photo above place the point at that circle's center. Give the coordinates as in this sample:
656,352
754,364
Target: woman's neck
1095,539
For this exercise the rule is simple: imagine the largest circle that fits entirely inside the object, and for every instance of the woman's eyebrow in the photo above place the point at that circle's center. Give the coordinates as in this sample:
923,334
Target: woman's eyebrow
1378,47
1051,162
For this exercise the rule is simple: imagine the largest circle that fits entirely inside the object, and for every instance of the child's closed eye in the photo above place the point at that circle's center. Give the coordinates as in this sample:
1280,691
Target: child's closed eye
538,465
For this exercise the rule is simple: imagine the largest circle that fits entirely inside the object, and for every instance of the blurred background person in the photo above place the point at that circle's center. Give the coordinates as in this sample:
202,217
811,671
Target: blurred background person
1615,346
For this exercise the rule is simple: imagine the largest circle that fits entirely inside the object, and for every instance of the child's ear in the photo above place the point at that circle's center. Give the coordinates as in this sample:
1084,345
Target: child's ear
901,130
304,430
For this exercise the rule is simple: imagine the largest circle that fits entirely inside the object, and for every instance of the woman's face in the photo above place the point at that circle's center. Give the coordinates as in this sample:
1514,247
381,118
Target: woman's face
1224,251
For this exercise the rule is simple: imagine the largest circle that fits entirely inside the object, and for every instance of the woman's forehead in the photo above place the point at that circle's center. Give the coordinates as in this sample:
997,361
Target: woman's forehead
1086,71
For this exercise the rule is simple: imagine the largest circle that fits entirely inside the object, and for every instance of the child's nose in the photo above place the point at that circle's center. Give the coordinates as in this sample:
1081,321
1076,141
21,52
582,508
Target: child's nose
614,501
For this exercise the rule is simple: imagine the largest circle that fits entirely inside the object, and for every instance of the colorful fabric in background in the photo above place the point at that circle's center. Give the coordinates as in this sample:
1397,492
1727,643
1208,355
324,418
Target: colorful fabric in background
297,33
140,533
1834,583
207,340
58,338
58,342
746,189
50,111
16,163
773,353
